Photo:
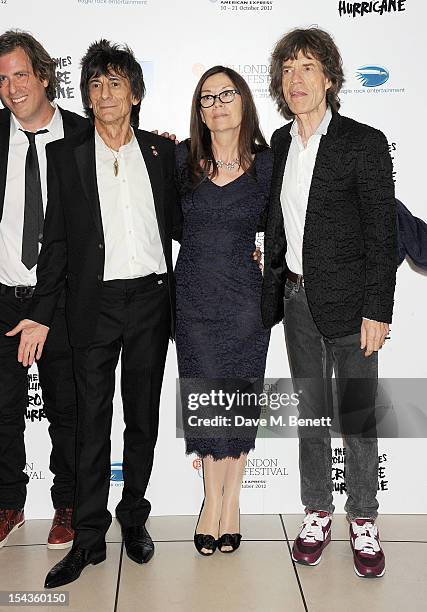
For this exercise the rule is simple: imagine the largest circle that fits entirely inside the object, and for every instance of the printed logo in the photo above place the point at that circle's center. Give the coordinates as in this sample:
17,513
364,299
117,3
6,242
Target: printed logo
116,472
198,466
372,76
377,7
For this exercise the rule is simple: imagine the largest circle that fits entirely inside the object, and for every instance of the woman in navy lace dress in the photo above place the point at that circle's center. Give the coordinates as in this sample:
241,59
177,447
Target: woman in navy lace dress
224,173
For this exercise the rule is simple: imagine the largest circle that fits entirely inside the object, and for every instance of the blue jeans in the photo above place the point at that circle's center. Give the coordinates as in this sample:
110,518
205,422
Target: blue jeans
312,359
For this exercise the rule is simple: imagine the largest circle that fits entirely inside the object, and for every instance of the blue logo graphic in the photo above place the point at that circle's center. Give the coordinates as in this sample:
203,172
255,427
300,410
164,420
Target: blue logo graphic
372,76
116,472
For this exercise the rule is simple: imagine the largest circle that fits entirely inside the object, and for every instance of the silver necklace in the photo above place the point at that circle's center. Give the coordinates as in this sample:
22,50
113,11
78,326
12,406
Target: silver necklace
231,165
116,162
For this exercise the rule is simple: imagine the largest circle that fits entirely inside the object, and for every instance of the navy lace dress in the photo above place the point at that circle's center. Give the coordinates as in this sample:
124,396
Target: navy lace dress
219,332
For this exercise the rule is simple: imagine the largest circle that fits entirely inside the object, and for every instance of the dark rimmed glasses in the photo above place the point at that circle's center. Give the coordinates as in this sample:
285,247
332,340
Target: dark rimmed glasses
225,97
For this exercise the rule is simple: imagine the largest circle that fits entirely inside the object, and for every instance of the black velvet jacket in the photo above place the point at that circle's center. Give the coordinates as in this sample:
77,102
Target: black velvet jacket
350,236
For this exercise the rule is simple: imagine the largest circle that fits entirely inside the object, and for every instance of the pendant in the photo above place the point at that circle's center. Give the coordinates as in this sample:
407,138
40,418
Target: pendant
116,167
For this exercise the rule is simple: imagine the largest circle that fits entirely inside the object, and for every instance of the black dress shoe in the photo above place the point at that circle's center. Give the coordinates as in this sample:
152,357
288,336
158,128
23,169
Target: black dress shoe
138,543
71,566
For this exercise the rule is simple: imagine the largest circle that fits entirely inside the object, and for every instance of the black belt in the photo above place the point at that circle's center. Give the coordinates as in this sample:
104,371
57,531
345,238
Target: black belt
21,292
298,279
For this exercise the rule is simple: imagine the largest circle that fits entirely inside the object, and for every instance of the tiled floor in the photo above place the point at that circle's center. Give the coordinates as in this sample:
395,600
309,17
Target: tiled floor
260,576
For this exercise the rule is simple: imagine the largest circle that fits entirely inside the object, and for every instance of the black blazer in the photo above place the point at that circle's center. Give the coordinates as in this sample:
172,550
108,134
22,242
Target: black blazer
350,236
72,123
73,242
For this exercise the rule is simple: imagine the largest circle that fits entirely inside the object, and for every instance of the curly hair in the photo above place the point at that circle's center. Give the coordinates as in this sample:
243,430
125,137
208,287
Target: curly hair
311,41
44,67
101,58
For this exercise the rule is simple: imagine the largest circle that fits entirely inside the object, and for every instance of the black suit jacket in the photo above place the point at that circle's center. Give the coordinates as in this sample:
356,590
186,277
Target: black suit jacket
350,236
72,123
73,242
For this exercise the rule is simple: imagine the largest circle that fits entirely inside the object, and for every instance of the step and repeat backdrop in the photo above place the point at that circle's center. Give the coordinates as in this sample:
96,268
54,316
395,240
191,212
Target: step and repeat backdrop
384,50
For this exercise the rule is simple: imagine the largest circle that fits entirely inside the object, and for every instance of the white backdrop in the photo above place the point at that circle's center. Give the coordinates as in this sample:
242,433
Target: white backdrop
176,41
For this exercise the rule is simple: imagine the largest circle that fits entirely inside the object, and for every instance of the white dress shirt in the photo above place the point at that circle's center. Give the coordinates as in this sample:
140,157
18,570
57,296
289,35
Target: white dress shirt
296,188
133,247
12,270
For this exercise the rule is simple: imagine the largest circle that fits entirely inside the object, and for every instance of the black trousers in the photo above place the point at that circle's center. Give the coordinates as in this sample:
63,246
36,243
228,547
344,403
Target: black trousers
59,398
134,321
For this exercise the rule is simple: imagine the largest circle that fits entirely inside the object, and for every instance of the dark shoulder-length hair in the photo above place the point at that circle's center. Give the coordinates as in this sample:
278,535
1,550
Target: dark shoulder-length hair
104,57
320,45
201,158
44,67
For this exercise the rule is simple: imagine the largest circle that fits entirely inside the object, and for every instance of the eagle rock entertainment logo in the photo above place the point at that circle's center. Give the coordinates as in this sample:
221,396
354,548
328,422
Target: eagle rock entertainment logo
378,7
372,76
116,478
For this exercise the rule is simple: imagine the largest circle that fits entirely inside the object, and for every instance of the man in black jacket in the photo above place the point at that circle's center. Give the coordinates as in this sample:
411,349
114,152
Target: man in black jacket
30,121
330,266
112,211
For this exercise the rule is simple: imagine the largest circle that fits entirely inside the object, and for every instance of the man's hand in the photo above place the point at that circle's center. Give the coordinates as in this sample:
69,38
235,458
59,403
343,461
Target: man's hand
372,336
33,337
167,135
257,257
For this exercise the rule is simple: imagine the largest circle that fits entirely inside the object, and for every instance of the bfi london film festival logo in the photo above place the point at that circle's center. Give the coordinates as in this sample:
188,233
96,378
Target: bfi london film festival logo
33,471
257,77
257,473
338,471
377,7
248,6
262,472
116,477
372,79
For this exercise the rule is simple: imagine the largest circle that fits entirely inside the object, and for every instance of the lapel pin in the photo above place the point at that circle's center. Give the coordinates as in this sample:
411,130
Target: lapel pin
154,150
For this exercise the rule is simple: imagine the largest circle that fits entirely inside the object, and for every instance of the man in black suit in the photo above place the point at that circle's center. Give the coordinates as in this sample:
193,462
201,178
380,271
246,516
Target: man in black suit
30,121
112,211
330,266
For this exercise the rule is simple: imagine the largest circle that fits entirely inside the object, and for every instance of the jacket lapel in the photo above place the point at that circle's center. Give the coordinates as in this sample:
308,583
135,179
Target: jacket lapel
154,169
84,154
330,151
281,151
4,153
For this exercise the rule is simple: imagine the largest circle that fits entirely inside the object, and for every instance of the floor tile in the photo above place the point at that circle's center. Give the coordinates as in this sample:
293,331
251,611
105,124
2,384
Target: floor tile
393,527
257,577
333,584
36,531
25,568
178,528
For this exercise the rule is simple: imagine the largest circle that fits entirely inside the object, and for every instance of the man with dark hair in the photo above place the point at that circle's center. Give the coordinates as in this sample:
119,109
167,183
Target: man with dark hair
112,211
330,267
29,121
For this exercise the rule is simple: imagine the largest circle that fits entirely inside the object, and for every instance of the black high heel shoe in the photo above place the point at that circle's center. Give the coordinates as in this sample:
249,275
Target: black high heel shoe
204,540
229,539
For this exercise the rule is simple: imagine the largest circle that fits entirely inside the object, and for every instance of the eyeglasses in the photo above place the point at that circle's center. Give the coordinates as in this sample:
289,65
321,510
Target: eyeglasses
225,97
